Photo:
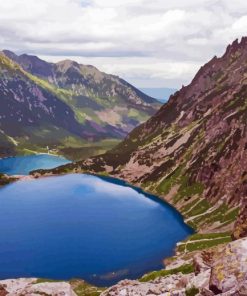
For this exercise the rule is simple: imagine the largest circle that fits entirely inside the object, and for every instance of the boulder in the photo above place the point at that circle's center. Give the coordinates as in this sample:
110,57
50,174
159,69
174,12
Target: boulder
3,291
173,285
22,286
229,269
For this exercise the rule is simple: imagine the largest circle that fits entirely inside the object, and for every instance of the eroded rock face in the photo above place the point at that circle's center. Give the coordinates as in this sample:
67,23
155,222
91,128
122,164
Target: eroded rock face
240,227
229,268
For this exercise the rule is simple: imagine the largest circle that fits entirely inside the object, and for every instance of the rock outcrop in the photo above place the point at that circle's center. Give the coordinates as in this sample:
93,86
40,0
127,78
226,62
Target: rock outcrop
22,286
229,269
172,285
5,179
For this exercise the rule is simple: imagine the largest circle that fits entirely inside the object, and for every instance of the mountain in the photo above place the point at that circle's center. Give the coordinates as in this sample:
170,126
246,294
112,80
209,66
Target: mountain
161,94
193,154
193,151
65,106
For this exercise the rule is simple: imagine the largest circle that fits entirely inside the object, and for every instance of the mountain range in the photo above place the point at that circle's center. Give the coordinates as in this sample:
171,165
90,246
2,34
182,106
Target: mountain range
65,107
193,154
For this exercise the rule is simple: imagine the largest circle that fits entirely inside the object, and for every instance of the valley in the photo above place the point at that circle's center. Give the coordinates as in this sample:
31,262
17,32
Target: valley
192,154
191,148
65,107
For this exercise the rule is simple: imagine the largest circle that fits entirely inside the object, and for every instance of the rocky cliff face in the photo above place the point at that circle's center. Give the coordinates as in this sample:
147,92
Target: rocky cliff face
193,151
64,104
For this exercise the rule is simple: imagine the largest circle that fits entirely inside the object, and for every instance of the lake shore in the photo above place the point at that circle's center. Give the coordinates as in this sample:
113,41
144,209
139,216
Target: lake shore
179,261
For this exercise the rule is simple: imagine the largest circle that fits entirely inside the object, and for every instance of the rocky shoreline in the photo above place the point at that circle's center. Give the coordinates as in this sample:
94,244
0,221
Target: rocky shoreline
212,274
175,284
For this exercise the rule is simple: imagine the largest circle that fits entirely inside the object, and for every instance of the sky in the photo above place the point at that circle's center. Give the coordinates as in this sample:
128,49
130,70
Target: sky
158,43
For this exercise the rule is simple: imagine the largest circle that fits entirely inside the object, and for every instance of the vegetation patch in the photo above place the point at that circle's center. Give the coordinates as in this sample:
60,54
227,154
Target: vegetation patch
165,186
82,288
200,208
203,241
192,291
137,115
222,214
185,269
187,190
189,205
198,236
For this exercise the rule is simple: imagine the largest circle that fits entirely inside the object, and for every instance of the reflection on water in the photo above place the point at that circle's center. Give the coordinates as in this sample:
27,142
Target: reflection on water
82,226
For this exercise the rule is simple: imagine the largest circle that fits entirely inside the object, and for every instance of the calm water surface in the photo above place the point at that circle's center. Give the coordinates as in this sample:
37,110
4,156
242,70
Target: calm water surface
82,226
22,165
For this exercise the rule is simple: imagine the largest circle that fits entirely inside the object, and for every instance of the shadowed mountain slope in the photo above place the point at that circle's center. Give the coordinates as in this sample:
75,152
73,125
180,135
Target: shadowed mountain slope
64,105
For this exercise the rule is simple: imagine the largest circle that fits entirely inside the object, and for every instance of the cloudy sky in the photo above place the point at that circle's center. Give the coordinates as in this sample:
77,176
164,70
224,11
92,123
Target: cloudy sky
159,43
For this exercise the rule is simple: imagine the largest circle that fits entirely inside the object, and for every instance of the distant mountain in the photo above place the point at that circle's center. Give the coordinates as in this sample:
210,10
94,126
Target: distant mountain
65,106
161,94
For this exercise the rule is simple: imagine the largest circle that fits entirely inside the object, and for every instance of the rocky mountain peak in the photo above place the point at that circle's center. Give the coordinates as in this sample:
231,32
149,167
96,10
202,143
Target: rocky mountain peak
213,84
31,63
236,46
10,54
66,64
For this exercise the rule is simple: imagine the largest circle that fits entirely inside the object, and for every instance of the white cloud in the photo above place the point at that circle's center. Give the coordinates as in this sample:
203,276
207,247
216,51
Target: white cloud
149,43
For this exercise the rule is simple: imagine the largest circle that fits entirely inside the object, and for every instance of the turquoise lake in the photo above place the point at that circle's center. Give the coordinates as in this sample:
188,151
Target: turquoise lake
83,226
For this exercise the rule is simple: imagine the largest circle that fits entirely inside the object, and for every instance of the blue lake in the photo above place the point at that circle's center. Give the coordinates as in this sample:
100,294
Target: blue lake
22,165
83,226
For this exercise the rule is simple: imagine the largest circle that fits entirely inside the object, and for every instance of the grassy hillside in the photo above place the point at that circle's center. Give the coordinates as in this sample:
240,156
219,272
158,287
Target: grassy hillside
66,107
